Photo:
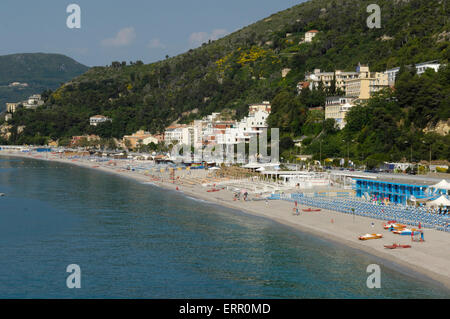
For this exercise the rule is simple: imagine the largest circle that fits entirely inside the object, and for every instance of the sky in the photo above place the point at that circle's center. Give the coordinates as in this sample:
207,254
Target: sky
118,30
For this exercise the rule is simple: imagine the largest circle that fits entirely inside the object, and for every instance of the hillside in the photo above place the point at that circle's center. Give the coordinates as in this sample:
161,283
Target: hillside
39,70
245,67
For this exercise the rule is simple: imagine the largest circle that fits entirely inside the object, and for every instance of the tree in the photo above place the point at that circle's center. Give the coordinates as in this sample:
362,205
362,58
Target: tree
288,113
111,144
329,126
127,144
286,143
357,118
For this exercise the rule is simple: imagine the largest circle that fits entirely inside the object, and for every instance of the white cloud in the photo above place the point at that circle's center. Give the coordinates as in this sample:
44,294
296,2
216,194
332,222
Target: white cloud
218,33
123,38
198,38
156,44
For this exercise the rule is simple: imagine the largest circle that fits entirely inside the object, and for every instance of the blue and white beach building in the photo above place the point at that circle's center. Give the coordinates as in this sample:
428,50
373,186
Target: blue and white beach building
398,191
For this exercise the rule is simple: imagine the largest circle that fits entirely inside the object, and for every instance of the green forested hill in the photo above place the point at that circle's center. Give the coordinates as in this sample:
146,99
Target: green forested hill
245,67
39,70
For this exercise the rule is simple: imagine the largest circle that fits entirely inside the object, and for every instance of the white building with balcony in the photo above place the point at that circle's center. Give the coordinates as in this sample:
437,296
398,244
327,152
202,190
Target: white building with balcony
309,35
264,106
98,119
420,69
33,102
336,108
179,134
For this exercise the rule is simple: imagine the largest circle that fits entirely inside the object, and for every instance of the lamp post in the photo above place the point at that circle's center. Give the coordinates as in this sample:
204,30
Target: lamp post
347,150
406,142
429,162
320,156
348,154
411,153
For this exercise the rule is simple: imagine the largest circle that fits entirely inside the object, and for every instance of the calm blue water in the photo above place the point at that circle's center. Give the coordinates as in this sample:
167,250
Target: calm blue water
133,240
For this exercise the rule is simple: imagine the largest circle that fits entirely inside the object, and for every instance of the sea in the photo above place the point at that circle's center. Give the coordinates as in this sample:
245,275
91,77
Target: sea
135,240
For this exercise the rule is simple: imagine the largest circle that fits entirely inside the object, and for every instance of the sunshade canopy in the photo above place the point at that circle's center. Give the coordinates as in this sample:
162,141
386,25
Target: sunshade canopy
440,201
442,185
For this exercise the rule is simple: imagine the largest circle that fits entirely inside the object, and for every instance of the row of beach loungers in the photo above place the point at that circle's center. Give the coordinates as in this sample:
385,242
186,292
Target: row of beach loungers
403,214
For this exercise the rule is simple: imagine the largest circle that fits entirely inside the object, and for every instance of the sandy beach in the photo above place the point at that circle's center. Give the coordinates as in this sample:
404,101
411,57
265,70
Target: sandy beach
430,259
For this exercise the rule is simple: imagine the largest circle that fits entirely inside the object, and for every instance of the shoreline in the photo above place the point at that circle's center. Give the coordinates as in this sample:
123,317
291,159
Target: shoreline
329,225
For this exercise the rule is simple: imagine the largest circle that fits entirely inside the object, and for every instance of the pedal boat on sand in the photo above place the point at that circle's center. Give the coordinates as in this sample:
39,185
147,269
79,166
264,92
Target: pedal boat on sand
394,246
407,232
311,210
370,236
394,226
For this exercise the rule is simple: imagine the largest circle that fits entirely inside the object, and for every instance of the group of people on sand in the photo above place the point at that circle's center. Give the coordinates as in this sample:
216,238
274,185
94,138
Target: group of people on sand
441,211
237,196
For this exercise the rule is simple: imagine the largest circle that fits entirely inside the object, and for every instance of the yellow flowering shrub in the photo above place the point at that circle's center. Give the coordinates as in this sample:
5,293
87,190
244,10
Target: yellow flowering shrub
222,63
251,56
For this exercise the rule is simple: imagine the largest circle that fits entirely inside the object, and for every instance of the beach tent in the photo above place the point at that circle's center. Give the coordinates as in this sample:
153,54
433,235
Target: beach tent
441,201
441,185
